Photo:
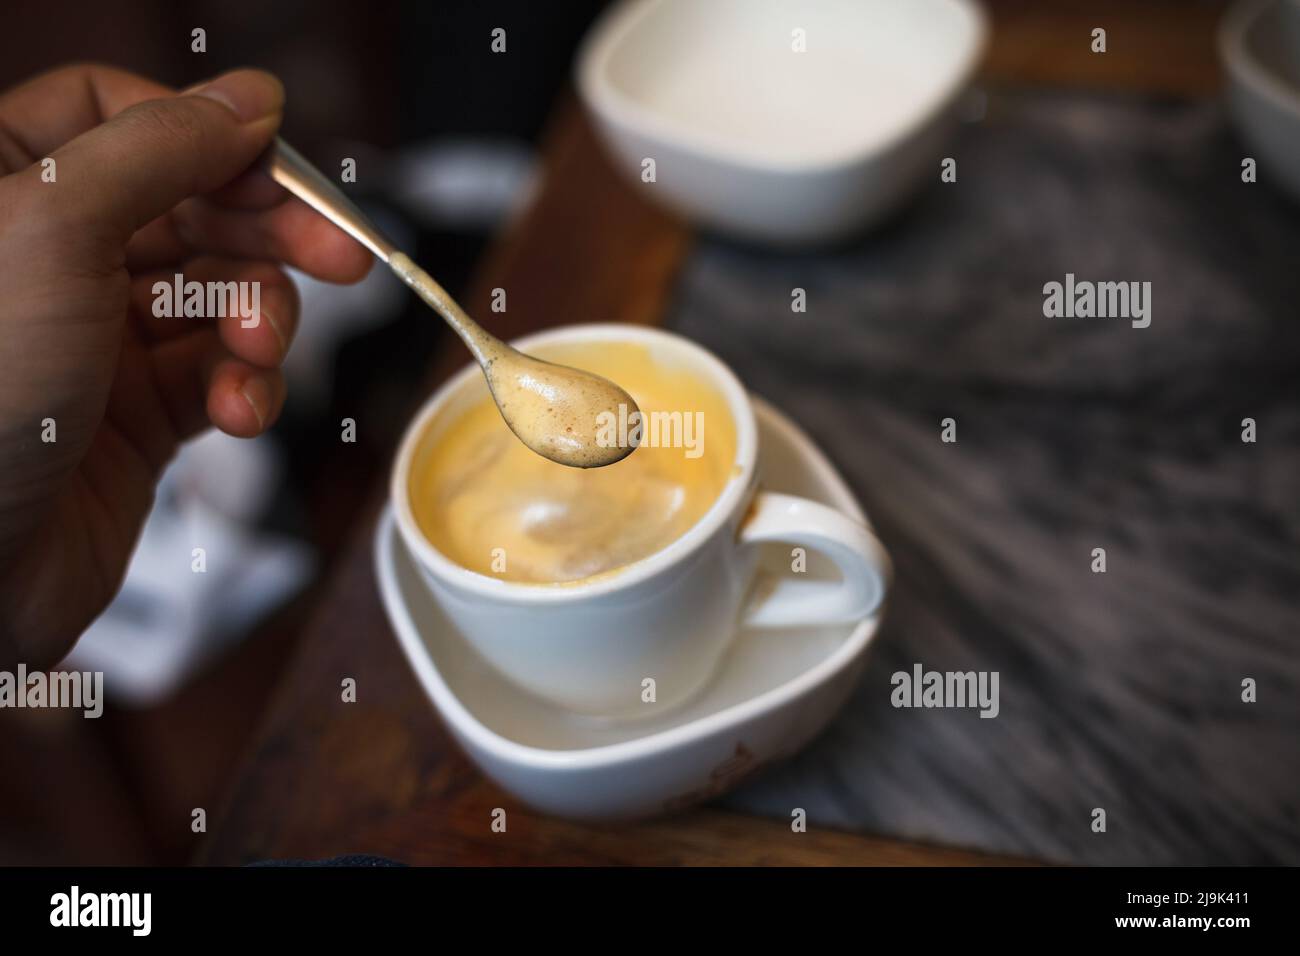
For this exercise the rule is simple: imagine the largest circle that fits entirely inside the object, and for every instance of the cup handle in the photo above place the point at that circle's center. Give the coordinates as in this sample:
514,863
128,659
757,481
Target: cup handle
860,557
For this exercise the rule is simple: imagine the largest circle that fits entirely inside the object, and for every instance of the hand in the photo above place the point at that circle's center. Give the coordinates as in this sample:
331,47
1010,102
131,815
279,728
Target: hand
146,184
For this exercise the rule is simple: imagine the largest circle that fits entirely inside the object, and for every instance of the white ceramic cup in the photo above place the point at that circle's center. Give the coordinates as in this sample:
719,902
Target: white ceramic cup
589,646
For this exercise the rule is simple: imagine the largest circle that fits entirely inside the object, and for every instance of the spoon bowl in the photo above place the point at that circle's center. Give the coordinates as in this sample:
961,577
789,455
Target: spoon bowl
554,403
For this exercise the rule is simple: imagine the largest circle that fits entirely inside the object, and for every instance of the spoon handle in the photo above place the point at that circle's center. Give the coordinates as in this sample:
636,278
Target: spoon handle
291,170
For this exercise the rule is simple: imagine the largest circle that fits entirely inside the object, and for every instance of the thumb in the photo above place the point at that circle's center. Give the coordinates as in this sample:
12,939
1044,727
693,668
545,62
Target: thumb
146,159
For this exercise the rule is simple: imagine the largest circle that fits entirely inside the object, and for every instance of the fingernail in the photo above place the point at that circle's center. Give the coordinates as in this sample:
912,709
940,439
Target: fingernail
249,94
279,332
258,396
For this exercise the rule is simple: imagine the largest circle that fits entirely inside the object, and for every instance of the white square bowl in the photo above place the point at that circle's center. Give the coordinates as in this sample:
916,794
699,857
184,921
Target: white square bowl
752,136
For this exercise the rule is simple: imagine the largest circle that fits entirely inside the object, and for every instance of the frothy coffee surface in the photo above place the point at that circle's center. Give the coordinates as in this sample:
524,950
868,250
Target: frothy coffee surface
489,504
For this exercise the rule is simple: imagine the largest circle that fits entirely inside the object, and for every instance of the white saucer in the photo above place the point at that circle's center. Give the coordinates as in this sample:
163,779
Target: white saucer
774,692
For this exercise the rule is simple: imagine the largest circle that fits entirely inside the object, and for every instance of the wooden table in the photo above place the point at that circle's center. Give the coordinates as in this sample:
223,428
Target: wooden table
381,775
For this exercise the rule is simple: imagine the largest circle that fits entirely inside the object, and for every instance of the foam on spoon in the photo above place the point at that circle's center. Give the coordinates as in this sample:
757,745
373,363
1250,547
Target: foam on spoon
553,409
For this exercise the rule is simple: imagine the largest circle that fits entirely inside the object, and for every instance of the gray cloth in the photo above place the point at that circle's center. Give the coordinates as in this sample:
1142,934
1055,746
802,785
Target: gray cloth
1122,690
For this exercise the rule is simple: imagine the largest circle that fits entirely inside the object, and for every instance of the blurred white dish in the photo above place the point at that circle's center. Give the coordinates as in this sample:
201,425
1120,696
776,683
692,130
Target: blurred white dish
167,622
775,691
751,136
1259,44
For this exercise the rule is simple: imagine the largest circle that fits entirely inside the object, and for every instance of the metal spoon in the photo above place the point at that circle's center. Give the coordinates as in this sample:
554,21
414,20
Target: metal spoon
555,410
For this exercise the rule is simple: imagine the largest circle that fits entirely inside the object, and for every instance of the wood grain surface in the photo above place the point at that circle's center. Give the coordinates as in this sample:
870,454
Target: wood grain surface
1152,46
